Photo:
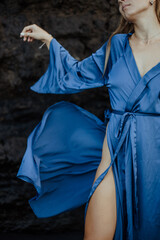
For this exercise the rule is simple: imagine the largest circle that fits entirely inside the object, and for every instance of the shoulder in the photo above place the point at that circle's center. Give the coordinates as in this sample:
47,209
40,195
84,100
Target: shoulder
117,46
118,39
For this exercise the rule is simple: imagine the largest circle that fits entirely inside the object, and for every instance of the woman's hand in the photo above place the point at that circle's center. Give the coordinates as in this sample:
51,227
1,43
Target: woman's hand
33,32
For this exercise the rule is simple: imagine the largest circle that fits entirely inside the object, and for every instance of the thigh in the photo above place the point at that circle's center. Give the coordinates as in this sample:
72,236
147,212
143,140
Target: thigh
100,222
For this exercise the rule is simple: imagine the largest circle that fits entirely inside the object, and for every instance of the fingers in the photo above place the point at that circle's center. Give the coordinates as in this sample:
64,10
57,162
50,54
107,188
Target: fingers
28,28
30,39
27,32
25,36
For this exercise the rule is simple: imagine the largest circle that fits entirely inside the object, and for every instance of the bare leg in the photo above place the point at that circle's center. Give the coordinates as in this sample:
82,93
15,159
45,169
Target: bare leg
101,216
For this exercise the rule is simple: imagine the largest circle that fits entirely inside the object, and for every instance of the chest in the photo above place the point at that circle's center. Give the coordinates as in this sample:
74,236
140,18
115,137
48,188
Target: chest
145,57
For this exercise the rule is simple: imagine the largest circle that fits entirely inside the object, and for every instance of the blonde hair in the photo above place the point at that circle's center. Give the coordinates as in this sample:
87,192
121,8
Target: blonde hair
125,27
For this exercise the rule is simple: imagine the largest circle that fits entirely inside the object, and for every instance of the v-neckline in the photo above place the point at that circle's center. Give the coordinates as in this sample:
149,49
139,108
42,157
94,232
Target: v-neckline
135,63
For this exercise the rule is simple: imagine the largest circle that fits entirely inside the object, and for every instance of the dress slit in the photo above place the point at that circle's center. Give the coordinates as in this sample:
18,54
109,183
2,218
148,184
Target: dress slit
119,225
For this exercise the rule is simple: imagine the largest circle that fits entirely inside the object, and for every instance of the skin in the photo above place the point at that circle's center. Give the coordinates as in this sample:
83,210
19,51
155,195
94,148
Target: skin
101,216
34,32
146,38
100,222
142,15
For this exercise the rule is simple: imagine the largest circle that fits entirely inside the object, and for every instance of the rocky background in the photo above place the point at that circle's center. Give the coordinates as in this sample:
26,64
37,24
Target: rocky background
82,27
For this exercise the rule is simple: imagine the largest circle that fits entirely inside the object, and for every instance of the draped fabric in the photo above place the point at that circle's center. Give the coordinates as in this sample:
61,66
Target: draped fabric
66,75
64,150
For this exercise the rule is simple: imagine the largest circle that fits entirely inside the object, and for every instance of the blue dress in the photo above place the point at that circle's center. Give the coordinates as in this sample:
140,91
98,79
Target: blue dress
64,150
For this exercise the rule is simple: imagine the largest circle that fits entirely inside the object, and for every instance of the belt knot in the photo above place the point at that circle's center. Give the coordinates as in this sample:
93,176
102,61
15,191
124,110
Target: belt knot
123,120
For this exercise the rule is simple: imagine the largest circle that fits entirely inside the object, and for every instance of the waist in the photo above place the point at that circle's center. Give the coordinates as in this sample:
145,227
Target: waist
136,113
107,113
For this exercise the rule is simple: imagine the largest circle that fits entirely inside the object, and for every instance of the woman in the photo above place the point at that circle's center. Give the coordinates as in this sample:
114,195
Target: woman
68,160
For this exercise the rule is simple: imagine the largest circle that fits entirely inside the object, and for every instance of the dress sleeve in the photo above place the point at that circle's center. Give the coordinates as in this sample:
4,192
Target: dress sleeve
65,74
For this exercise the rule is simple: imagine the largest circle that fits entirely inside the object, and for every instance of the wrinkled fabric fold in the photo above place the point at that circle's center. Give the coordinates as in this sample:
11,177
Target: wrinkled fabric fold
60,160
66,75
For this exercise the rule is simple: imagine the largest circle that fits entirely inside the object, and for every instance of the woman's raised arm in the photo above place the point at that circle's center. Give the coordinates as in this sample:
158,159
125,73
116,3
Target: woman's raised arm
65,74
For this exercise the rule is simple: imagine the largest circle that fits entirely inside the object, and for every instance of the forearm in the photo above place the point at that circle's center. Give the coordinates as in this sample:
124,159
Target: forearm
47,40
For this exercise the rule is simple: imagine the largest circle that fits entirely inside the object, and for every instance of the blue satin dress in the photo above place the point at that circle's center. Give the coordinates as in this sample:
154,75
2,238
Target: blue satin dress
64,150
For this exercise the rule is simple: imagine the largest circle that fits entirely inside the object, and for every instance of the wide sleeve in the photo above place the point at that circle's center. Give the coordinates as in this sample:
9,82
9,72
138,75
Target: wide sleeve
65,74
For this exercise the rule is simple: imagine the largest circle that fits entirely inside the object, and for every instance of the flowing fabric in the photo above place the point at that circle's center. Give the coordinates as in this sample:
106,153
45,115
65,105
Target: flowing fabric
64,150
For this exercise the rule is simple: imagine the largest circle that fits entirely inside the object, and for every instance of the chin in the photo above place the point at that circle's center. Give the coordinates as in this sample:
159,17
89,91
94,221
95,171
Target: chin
128,16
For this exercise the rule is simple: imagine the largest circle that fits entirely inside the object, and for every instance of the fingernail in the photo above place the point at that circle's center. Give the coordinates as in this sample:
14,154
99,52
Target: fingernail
22,34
